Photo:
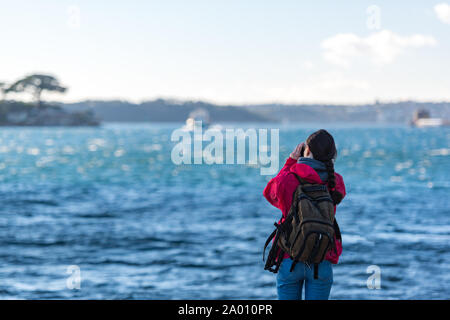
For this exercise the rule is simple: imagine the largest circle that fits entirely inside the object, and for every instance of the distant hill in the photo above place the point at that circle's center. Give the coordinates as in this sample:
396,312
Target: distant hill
398,112
163,111
175,111
16,113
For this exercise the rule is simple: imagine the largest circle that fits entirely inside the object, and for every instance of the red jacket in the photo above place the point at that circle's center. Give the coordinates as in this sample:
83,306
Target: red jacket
280,189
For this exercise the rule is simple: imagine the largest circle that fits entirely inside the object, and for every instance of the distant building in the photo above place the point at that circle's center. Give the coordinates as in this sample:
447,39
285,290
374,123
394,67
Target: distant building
421,119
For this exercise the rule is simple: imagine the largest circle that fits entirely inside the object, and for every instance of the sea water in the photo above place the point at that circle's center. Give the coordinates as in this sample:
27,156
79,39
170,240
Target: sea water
107,210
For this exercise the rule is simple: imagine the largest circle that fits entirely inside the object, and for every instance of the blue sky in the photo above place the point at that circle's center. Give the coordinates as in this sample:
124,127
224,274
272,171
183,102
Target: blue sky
232,51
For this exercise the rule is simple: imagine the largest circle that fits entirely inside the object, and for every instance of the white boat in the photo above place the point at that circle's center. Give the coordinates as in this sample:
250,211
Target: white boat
198,115
431,122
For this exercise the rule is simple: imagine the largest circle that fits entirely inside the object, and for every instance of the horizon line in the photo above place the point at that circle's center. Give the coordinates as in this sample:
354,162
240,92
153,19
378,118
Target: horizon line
245,104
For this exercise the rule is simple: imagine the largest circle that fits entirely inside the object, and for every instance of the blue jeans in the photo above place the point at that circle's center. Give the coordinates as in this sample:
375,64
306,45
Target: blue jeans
290,284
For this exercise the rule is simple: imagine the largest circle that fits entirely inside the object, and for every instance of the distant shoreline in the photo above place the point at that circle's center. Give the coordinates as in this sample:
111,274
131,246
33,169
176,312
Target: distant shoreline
20,114
93,113
161,110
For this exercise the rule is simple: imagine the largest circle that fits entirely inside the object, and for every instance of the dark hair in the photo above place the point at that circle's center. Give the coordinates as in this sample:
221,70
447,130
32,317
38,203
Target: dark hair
323,148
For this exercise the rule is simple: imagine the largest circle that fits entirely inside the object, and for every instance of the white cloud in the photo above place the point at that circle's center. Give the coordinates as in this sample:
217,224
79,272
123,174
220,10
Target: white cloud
336,81
308,65
315,87
442,11
380,47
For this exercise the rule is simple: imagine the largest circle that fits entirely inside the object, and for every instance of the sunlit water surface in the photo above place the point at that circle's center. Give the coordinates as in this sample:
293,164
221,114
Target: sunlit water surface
110,201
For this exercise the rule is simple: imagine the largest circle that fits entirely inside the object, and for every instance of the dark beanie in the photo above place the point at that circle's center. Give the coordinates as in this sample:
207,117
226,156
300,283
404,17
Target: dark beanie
322,146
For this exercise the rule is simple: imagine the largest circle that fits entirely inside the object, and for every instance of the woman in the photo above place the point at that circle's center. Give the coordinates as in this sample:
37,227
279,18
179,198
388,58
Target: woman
315,165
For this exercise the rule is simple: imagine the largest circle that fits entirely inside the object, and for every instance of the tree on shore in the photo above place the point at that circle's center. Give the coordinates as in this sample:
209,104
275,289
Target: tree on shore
36,84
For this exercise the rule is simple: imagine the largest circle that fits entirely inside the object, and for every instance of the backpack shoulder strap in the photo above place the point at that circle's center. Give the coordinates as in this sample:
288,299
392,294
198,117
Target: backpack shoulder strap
337,230
316,271
272,235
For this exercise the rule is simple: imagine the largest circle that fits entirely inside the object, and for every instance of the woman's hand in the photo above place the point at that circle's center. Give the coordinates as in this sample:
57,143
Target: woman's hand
297,151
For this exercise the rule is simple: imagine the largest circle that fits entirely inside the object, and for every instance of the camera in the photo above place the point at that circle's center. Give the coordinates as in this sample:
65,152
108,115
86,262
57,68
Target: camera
302,150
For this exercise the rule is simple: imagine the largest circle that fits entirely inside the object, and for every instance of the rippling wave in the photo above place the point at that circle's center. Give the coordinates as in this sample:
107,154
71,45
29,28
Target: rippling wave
110,201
